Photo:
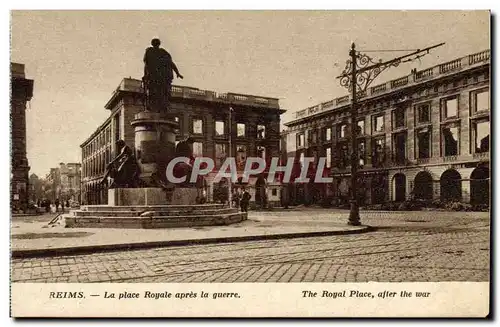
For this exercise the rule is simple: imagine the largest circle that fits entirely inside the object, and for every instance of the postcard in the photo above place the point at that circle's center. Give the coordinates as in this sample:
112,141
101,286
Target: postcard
210,163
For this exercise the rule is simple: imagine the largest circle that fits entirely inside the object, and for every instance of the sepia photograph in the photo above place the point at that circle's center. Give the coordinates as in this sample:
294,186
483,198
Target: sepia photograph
165,158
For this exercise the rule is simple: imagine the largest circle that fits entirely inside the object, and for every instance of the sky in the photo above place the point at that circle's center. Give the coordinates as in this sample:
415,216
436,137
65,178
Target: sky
77,58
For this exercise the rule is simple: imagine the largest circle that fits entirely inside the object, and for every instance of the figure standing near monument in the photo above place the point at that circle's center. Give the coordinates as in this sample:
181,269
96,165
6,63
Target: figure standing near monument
184,149
159,71
123,168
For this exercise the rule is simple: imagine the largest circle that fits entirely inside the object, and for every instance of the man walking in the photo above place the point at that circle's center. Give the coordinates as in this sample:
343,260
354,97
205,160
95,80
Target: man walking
245,200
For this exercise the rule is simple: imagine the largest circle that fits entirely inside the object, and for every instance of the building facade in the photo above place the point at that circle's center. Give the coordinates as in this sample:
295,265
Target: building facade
70,177
63,183
21,93
424,135
205,116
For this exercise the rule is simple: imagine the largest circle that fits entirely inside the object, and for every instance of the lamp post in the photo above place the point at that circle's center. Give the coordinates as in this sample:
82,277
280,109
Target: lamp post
358,74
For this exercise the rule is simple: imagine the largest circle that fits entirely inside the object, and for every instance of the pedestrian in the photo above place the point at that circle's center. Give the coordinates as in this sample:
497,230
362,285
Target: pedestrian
236,198
62,206
38,203
245,200
56,202
67,204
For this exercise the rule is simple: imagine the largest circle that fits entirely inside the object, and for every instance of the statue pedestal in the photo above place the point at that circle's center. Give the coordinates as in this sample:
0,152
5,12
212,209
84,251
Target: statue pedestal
136,196
154,144
184,196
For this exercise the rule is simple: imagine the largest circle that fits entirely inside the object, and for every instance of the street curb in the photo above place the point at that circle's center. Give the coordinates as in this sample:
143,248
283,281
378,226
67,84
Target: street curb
37,253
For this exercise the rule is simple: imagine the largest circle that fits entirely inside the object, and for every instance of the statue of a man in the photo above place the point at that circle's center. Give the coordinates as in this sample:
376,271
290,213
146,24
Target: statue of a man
123,168
158,75
184,149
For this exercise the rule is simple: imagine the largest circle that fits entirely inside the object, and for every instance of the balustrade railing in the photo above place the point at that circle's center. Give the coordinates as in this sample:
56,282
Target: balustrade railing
478,57
261,100
176,89
328,104
240,97
378,89
449,66
423,74
481,155
450,158
313,110
343,99
421,161
196,92
399,82
301,113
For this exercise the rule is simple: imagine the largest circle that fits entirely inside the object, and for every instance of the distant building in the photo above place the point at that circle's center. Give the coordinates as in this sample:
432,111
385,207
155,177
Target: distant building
70,181
202,114
36,188
63,183
425,135
52,185
21,93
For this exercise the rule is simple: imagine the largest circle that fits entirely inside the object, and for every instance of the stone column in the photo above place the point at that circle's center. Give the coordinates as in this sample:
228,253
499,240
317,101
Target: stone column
154,144
21,93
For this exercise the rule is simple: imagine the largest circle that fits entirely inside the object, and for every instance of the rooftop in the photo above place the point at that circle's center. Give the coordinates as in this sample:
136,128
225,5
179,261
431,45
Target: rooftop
186,92
416,77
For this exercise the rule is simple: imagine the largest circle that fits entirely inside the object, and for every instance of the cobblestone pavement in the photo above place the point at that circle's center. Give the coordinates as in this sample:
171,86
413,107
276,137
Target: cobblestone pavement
417,246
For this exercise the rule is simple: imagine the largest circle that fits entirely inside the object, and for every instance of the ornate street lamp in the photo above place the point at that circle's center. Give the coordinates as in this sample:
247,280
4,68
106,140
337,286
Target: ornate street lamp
357,76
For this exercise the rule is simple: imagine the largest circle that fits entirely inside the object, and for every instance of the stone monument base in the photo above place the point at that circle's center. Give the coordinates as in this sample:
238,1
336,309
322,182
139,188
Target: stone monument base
153,216
136,196
183,196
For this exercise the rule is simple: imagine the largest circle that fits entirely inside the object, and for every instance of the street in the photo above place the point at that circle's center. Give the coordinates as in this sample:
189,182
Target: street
422,246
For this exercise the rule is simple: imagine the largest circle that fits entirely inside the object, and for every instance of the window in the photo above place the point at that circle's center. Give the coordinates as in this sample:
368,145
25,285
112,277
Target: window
197,149
301,140
449,140
261,152
361,153
328,134
274,192
378,156
482,101
482,136
261,132
343,131
450,108
312,136
241,156
423,143
399,148
423,113
398,118
328,157
314,155
197,126
117,127
219,128
220,153
378,123
240,130
361,127
343,154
